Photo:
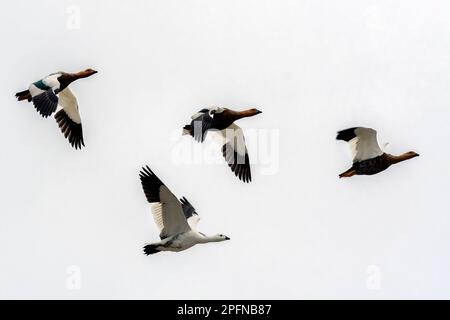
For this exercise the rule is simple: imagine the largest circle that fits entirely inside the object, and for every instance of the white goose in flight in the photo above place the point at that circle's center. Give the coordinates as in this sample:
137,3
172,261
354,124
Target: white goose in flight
231,136
176,219
51,91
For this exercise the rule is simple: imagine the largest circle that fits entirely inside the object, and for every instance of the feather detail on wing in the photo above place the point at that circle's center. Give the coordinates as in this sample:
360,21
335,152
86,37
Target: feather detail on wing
69,119
43,94
166,208
189,211
235,152
362,141
200,124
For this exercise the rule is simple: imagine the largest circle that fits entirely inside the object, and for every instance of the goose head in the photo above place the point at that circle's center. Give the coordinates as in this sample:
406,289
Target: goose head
255,111
89,72
219,238
411,154
85,73
402,157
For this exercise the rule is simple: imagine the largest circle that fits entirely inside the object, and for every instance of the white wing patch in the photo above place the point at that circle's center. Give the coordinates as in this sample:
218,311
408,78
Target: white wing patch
235,136
170,213
52,81
235,151
365,145
68,102
197,115
35,91
157,215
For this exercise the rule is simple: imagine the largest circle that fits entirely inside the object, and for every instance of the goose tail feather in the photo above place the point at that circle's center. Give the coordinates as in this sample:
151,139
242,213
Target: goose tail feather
23,95
151,249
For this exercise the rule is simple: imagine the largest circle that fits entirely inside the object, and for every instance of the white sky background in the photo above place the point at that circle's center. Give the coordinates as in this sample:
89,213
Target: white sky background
313,67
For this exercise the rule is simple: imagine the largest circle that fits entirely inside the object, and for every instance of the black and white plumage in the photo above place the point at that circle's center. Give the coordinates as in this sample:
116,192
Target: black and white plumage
202,122
51,94
235,153
69,120
191,215
45,102
362,141
176,219
221,122
368,158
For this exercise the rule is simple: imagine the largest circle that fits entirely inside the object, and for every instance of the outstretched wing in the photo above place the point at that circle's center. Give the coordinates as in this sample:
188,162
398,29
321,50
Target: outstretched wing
200,124
43,94
167,210
189,212
69,119
362,141
235,152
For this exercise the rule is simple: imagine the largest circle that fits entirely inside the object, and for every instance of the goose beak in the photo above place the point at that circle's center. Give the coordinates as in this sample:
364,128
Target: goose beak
258,111
226,238
94,71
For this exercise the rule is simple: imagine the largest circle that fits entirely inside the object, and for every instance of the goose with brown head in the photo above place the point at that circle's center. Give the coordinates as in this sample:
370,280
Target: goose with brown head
368,158
51,91
221,121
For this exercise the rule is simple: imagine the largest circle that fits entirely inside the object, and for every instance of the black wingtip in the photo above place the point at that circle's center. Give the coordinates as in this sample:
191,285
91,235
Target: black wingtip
241,170
71,130
146,172
150,184
347,134
243,173
183,200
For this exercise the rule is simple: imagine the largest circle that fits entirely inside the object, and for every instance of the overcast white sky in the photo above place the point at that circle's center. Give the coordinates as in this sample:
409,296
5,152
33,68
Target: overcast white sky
313,67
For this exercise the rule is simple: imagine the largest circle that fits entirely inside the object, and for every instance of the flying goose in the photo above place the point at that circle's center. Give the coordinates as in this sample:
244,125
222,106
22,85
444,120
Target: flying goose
232,137
368,158
176,219
52,90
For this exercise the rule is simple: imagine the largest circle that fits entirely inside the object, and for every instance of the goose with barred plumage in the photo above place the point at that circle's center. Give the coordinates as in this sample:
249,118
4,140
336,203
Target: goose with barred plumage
231,136
51,91
176,219
368,158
